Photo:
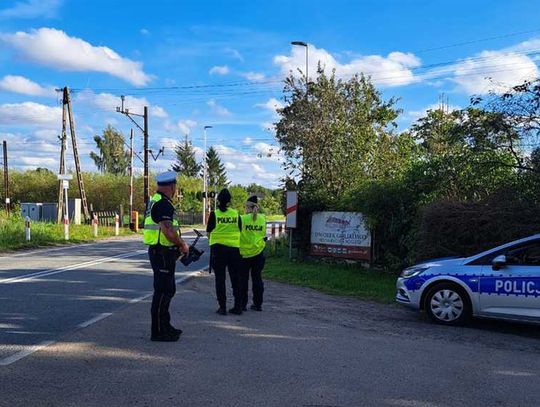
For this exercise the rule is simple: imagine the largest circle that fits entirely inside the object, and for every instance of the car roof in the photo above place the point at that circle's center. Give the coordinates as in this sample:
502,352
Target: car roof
504,246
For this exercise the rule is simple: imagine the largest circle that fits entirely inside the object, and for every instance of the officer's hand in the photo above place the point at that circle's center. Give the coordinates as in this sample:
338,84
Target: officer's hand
184,248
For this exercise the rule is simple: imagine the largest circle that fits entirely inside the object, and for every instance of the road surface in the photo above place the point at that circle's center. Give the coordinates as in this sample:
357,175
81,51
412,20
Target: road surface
305,349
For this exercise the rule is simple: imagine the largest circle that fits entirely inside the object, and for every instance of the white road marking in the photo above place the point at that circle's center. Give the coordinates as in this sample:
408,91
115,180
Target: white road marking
34,348
50,272
24,353
95,319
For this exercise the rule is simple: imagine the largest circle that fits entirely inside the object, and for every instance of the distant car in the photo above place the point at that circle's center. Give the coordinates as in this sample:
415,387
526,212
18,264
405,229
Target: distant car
503,282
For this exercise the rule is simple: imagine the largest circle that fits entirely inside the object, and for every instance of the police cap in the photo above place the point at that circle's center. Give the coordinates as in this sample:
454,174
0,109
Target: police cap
166,178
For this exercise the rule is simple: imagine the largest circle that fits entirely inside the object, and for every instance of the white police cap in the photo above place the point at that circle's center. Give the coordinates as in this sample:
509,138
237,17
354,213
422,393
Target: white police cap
166,178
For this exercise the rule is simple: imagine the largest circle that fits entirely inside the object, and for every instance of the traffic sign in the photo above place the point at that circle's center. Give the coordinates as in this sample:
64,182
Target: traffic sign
292,209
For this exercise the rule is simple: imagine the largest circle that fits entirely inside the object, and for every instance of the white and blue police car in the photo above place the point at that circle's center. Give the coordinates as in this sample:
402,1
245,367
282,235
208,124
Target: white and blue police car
503,282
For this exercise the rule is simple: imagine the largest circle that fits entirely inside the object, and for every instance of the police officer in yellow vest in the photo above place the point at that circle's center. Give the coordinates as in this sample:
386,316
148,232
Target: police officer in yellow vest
162,235
224,230
252,245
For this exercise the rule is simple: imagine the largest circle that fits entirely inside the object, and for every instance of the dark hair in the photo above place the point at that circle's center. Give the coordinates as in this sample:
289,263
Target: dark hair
224,198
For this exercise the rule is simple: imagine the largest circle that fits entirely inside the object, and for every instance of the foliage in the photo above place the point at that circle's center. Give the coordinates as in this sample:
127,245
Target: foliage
185,163
337,135
239,198
112,157
217,175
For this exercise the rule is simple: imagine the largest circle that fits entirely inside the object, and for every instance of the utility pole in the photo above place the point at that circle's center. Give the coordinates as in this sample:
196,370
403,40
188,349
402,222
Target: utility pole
6,177
131,221
144,130
67,110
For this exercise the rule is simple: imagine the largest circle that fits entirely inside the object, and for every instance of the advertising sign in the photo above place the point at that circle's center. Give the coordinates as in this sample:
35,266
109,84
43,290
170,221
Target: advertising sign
340,234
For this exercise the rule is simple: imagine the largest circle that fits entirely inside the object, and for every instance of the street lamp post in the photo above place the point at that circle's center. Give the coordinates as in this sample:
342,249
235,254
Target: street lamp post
205,189
305,45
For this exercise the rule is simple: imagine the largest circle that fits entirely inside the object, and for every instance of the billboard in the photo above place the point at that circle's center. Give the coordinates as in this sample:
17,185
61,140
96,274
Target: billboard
340,234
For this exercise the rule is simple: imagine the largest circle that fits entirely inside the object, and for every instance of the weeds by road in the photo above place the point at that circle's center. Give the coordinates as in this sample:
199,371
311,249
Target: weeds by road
12,234
336,279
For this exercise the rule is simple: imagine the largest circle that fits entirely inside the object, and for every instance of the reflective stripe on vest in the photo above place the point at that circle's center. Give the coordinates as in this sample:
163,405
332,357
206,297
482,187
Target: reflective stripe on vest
252,236
152,232
226,232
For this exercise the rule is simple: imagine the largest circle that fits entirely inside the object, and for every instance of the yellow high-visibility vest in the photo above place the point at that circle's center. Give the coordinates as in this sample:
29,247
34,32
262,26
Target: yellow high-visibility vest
226,232
252,236
152,232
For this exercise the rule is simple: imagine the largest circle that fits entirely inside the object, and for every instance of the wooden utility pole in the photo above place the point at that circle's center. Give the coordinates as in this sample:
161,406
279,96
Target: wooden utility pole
6,177
67,110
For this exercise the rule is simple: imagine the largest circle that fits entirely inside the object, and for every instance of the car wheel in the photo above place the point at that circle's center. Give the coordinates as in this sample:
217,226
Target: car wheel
448,304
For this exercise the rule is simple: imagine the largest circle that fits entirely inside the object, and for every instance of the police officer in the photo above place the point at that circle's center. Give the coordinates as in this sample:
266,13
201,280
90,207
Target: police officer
162,235
224,229
252,245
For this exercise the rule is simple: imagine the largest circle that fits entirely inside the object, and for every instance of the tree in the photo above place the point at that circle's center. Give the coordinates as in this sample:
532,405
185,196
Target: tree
186,164
217,175
112,157
337,135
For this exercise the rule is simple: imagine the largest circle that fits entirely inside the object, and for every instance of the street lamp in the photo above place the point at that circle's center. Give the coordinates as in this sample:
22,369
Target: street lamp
305,45
204,175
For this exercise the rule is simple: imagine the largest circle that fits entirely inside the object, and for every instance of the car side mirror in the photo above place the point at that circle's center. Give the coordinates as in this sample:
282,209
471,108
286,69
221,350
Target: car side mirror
498,262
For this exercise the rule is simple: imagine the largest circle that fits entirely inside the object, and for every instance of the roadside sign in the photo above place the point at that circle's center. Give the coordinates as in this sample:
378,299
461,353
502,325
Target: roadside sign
292,209
340,234
64,177
65,184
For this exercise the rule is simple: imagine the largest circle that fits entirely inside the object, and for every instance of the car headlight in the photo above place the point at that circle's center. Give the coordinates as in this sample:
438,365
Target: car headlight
413,271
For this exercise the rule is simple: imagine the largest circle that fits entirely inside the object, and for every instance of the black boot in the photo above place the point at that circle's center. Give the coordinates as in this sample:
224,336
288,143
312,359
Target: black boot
256,307
165,337
174,330
221,311
235,311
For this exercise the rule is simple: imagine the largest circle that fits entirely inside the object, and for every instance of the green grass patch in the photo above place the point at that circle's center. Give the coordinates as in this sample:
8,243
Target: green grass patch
12,233
336,279
275,218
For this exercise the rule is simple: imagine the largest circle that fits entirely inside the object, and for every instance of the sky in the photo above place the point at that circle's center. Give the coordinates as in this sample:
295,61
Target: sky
221,64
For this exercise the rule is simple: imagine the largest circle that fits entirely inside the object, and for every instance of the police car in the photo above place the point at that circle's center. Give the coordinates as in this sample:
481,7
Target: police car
503,282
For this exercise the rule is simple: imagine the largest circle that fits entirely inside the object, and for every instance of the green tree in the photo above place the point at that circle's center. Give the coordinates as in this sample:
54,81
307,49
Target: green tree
337,135
217,174
239,198
186,164
112,157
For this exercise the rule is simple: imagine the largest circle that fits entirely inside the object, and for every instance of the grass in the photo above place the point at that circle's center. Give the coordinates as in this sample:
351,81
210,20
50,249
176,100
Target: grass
336,279
12,233
275,218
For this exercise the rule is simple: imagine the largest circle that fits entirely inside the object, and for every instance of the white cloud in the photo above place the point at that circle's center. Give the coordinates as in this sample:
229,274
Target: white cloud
32,9
272,105
185,126
253,76
247,141
54,48
393,70
24,86
144,31
230,166
493,70
234,54
30,114
268,126
158,111
217,109
219,70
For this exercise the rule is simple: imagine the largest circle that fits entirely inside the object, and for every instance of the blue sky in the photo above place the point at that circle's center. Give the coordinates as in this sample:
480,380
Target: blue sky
219,63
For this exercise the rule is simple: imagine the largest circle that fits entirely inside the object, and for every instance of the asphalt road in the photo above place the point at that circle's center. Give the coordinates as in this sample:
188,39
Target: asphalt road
304,349
45,294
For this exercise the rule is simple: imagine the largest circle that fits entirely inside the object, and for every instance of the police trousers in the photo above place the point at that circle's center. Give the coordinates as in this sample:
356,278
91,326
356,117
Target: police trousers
223,258
163,262
254,266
